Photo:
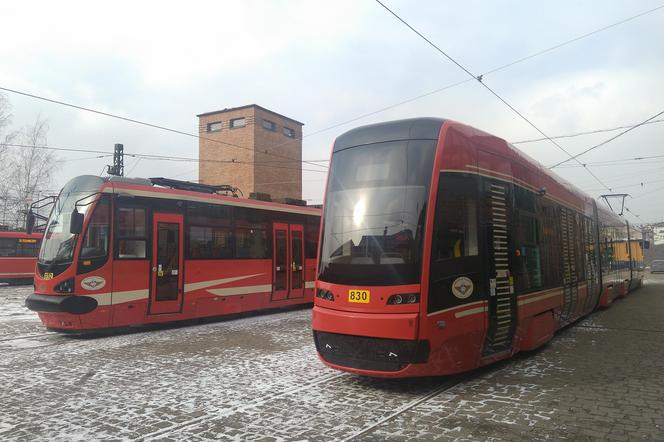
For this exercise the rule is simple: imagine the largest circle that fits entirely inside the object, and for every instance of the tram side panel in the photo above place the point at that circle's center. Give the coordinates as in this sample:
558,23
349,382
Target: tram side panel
454,278
18,256
510,255
144,259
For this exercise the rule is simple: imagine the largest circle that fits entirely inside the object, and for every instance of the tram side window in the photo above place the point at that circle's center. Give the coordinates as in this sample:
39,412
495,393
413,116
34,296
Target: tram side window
251,243
95,242
7,247
580,252
607,256
28,247
455,234
311,233
251,240
132,233
550,245
208,214
207,242
528,261
589,249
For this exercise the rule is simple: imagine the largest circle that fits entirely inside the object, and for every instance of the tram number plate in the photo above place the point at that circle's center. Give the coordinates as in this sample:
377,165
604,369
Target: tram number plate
361,296
48,275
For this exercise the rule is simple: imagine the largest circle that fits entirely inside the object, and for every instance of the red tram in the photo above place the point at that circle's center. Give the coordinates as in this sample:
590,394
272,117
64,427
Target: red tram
18,255
122,252
444,248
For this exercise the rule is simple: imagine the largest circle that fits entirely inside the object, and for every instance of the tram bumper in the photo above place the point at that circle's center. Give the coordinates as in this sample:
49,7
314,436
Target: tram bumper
76,305
368,343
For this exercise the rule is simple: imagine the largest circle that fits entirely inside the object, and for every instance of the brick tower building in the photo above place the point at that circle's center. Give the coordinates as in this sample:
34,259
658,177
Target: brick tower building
253,169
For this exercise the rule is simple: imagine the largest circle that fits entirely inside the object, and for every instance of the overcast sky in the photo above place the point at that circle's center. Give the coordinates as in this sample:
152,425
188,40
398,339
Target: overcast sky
324,63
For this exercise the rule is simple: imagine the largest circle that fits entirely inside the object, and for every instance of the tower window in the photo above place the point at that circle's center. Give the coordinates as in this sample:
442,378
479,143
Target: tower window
269,125
214,127
238,122
289,132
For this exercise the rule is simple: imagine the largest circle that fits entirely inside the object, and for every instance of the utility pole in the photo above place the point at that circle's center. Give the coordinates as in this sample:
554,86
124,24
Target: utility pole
117,168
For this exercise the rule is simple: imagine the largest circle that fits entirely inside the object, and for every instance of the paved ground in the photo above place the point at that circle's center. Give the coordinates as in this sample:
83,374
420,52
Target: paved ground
258,378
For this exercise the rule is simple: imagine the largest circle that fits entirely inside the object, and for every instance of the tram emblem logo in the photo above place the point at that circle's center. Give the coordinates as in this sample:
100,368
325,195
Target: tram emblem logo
462,287
93,283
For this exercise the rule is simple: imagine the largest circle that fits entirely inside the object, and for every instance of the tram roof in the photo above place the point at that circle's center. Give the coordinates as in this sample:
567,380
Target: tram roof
409,129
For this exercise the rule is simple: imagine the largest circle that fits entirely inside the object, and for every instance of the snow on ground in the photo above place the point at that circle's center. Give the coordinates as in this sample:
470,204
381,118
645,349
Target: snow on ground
11,304
258,378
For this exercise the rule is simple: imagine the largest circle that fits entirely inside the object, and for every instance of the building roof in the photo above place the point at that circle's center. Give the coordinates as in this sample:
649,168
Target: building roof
229,109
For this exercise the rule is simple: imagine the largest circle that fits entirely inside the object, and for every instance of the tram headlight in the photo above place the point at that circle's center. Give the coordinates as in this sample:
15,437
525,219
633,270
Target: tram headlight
408,298
324,294
65,286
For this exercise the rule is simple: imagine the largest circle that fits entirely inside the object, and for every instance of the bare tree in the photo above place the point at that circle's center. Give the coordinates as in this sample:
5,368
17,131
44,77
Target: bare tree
6,137
24,171
31,169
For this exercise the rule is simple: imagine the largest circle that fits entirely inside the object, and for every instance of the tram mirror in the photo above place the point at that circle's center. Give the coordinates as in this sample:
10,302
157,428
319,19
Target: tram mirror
30,222
76,223
646,244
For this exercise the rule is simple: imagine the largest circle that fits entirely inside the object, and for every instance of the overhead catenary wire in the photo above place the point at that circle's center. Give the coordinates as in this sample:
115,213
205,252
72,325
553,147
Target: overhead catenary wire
96,157
161,157
489,72
618,162
152,125
591,132
479,79
597,146
579,134
385,108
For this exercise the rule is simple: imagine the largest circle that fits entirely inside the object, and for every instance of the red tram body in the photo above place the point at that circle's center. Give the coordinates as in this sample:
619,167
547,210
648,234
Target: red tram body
143,254
18,255
444,248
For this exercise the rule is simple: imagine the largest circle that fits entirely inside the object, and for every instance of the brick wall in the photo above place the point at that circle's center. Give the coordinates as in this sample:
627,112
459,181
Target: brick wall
252,169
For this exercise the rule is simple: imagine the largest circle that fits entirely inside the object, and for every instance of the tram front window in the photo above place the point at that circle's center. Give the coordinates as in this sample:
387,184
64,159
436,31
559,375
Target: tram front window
375,213
58,244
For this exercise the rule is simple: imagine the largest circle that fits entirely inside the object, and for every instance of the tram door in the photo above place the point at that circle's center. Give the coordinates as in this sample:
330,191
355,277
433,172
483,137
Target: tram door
496,216
288,261
166,278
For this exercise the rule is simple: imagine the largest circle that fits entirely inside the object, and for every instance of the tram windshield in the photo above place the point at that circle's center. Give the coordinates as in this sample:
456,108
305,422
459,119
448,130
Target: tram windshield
58,244
375,211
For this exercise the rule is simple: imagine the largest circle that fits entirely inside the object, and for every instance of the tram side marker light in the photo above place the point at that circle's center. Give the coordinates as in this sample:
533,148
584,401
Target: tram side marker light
325,294
408,298
65,286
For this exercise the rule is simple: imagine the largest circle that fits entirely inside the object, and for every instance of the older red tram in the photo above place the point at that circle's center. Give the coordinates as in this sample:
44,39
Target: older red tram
444,248
18,255
122,252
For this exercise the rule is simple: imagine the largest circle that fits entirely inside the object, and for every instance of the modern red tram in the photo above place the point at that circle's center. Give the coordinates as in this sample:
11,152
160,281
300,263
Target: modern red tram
444,248
18,255
125,251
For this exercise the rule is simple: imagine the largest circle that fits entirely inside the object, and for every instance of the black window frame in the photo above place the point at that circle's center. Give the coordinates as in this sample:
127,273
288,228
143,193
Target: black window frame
14,242
237,220
96,262
229,247
288,132
232,122
311,237
24,245
147,238
211,124
271,125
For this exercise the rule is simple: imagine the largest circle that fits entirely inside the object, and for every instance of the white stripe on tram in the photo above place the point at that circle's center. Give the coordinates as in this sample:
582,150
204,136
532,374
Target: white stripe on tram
244,290
205,284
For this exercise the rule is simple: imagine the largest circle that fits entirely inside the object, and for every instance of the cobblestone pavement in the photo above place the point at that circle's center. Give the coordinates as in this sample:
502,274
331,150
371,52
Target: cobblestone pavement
258,378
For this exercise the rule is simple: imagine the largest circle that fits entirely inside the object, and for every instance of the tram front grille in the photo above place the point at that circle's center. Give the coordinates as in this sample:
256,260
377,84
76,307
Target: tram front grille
367,353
